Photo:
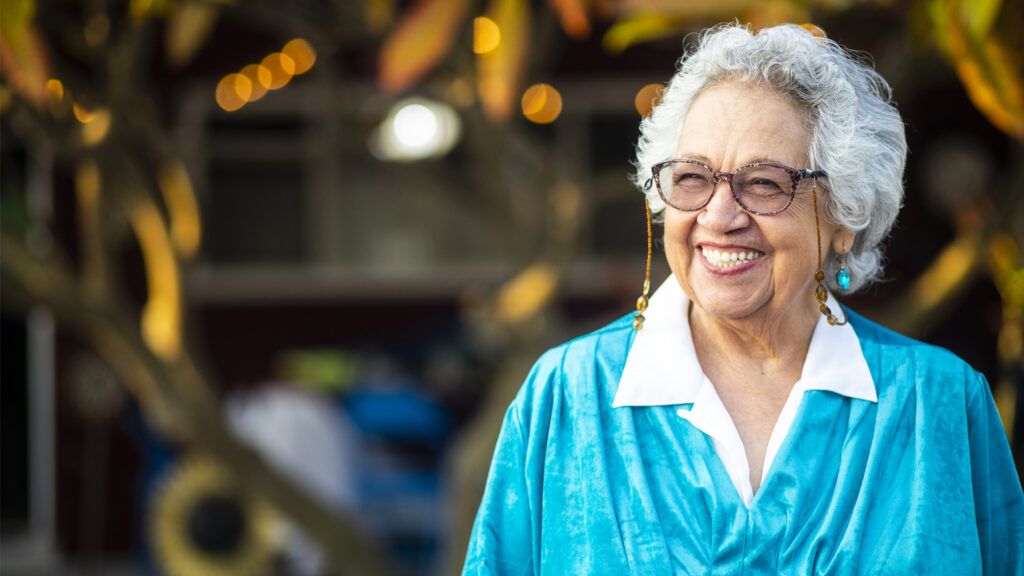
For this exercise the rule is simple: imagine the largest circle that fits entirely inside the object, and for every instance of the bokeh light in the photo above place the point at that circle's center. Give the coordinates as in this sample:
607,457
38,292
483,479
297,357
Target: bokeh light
302,54
260,78
56,89
486,35
415,125
416,129
541,103
96,129
82,114
281,67
647,98
233,91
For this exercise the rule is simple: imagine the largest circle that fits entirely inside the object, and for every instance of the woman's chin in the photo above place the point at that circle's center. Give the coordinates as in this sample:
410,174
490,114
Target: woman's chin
730,301
726,309
724,297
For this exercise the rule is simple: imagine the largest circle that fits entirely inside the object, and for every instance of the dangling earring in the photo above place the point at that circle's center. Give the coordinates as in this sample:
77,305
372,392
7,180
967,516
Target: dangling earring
641,302
820,292
842,275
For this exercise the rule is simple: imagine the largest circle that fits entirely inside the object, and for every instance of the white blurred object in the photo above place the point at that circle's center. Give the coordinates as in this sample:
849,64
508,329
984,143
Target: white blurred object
303,436
416,129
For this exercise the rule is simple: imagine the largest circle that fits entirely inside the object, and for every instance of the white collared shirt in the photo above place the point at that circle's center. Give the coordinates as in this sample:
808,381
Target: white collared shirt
662,370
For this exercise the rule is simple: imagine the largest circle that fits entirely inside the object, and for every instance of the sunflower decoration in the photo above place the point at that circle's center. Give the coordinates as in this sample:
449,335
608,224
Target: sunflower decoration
202,524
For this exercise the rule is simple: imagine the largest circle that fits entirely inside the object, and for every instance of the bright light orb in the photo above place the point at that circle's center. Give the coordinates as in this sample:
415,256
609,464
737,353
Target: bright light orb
416,129
415,126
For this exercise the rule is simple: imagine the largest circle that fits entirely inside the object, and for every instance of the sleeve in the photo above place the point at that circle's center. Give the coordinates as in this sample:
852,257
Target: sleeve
998,498
501,542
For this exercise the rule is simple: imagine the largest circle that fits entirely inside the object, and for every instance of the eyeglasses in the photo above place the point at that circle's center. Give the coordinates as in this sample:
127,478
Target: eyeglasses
761,188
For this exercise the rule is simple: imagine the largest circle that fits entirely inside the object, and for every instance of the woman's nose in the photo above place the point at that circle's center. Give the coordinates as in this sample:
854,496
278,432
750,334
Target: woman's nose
722,213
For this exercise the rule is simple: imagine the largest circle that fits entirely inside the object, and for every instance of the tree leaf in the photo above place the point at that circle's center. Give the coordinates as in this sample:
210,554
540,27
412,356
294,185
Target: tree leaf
500,71
421,40
988,69
379,14
643,28
24,63
573,16
695,9
525,294
980,15
188,26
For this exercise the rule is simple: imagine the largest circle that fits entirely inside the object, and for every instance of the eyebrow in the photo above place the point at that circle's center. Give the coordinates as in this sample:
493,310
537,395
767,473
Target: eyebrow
707,160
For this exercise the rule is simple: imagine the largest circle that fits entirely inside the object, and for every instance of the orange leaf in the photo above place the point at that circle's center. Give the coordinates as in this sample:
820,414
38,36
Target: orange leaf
422,39
989,71
23,58
573,15
500,71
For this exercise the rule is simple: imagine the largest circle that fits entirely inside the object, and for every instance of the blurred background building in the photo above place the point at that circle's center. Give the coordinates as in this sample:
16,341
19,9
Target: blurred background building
273,271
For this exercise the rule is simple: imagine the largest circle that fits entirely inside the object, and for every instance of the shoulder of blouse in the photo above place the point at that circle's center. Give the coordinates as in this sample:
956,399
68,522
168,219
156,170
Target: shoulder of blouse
899,363
580,372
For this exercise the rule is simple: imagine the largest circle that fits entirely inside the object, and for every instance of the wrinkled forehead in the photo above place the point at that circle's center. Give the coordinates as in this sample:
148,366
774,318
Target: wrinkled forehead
735,123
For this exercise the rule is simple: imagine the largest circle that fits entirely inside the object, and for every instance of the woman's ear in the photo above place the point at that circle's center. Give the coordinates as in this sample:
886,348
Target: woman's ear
842,240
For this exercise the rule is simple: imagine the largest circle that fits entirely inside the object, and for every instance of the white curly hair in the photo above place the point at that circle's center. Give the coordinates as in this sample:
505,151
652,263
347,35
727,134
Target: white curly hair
857,135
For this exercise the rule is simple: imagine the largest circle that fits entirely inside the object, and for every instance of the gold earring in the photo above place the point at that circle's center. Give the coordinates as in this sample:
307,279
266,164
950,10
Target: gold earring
820,292
641,302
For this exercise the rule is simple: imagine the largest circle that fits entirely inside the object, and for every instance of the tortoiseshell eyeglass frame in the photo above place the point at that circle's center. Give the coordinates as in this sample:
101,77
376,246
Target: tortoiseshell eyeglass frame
795,174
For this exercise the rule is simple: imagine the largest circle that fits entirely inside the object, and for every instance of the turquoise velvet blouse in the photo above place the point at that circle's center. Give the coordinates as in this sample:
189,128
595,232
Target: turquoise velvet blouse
921,482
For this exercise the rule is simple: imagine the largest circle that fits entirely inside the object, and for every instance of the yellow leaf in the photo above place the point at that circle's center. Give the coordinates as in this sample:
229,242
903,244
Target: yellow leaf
23,57
980,15
500,71
639,29
573,16
379,14
182,208
717,10
161,315
15,16
422,39
525,295
188,26
989,71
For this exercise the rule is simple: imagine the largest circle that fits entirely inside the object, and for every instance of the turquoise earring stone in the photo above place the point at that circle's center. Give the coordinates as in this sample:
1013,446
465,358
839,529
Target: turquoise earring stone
843,278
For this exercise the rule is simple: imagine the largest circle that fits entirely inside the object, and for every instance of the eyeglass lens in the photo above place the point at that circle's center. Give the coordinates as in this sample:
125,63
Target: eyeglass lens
689,186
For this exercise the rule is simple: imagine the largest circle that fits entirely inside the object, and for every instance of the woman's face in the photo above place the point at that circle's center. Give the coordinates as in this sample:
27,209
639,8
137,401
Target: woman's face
730,125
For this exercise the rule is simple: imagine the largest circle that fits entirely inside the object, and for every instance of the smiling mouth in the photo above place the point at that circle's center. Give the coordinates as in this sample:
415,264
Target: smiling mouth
728,259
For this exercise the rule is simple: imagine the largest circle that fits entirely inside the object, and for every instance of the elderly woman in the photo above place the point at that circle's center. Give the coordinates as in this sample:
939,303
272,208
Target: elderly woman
743,422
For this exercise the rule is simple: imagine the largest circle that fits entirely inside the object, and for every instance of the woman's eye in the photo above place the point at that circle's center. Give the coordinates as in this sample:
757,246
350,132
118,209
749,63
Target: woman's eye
691,178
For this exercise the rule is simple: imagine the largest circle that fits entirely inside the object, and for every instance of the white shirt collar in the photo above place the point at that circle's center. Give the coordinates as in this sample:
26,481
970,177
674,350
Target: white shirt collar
662,368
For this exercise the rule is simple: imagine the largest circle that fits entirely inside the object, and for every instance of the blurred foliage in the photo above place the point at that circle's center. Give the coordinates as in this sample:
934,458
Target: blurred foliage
101,115
976,37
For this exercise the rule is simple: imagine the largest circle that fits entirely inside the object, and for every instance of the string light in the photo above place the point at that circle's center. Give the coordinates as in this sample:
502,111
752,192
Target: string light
541,103
260,78
301,53
486,35
647,98
274,72
281,67
232,91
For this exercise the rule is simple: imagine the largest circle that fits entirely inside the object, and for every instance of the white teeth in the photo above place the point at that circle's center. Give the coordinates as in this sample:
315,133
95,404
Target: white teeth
721,259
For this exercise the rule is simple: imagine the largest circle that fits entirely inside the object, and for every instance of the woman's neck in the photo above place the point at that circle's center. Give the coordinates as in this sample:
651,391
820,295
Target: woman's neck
769,342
